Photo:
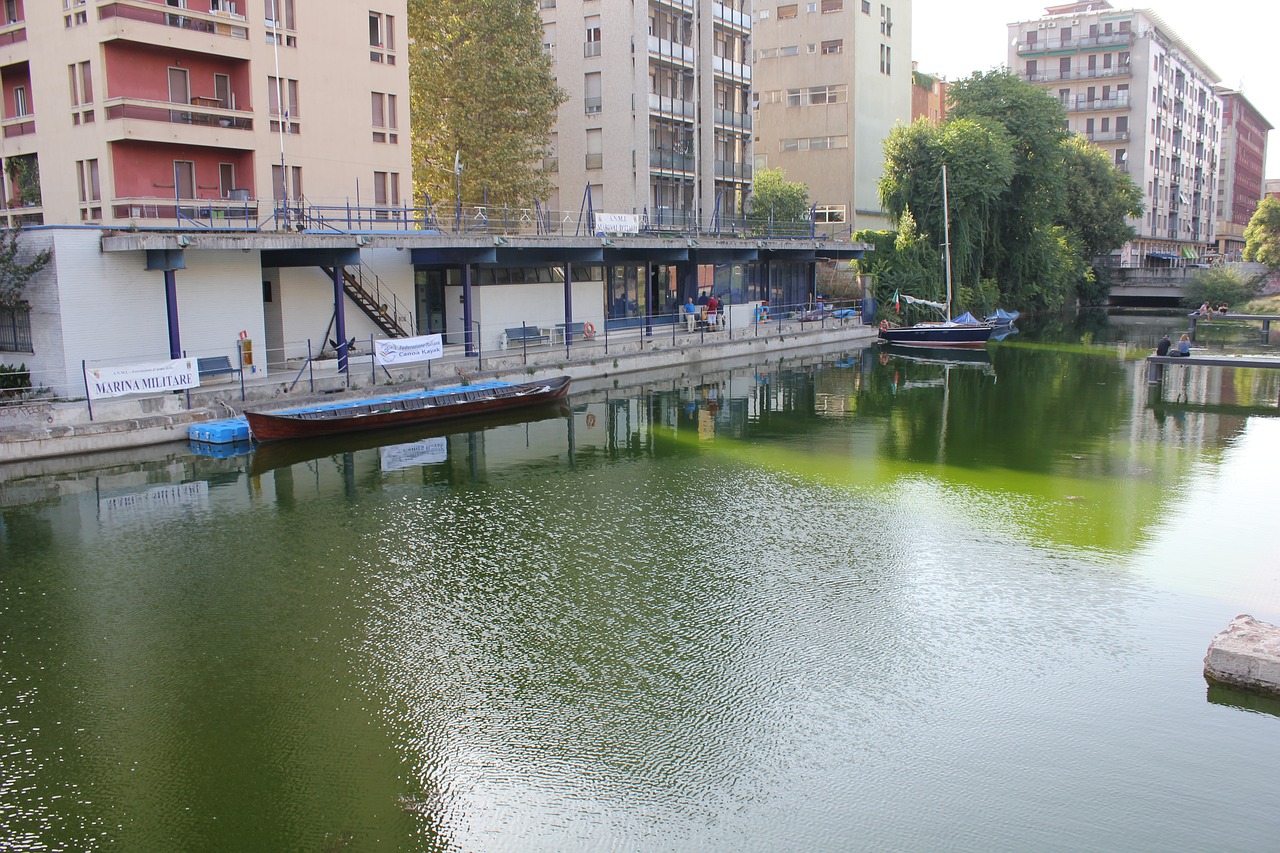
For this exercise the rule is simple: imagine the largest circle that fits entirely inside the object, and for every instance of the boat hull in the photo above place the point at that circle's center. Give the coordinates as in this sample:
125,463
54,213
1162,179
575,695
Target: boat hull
938,336
265,426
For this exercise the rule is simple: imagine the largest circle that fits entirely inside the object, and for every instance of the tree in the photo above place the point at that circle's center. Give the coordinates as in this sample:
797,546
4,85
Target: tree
482,94
1262,235
15,273
1098,200
775,202
1220,286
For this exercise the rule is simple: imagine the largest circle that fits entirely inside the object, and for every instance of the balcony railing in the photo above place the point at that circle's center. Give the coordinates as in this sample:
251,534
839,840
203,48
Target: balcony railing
18,126
735,171
733,17
551,164
1115,102
214,23
1043,45
135,108
1124,70
671,106
1113,136
732,119
207,212
671,51
13,32
591,48
595,161
670,161
592,105
730,68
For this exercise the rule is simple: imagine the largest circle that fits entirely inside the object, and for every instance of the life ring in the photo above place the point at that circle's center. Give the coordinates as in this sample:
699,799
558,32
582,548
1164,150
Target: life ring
884,325
588,332
591,421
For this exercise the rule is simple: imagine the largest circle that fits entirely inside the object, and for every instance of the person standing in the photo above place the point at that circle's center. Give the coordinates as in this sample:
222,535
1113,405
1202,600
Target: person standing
713,310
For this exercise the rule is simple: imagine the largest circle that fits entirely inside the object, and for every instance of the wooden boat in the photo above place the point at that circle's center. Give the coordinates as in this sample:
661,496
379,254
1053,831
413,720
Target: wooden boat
402,411
947,333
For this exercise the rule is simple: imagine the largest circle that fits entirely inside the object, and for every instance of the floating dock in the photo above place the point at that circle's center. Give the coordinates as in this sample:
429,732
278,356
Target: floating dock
1246,655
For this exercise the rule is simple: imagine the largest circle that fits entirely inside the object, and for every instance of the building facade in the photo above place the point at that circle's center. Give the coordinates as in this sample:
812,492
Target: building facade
1133,87
143,112
928,96
1240,181
832,78
658,121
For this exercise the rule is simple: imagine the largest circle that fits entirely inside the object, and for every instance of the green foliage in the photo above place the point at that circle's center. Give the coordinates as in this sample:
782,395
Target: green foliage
24,179
1028,203
481,87
1262,236
776,200
15,273
1218,286
14,378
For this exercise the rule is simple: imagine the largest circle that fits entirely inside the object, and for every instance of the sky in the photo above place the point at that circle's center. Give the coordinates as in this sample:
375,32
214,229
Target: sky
1235,37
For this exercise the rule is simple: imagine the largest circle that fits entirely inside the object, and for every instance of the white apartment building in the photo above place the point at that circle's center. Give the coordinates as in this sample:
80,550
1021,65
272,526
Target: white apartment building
657,121
1133,87
832,78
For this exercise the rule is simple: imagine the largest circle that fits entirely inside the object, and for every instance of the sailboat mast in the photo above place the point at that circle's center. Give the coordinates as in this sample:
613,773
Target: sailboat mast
946,236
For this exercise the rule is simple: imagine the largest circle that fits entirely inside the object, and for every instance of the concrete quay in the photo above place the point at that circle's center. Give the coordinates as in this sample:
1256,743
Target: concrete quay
1246,655
39,430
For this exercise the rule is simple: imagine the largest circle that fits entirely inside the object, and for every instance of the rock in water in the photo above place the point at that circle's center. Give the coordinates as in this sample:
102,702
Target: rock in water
1246,654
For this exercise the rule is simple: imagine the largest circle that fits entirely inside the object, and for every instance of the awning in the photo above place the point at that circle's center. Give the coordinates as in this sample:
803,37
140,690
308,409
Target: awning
1164,256
1190,252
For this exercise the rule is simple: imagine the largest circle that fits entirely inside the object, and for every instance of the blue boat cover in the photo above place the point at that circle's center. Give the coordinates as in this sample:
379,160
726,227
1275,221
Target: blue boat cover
967,319
1002,317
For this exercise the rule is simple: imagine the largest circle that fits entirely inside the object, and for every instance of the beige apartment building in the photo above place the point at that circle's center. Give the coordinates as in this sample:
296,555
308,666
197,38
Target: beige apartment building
658,121
1133,87
141,112
832,78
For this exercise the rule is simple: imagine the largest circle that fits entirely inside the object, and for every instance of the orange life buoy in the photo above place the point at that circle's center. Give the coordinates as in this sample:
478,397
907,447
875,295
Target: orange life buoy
591,421
588,331
884,325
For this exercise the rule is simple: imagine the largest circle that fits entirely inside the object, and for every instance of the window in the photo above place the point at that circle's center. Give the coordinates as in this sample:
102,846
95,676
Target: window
10,11
790,50
829,212
789,11
886,59
886,21
764,14
81,83
832,6
591,99
87,183
279,13
815,143
20,105
384,118
833,46
278,89
226,179
184,176
386,188
866,7
15,329
595,148
592,45
1122,124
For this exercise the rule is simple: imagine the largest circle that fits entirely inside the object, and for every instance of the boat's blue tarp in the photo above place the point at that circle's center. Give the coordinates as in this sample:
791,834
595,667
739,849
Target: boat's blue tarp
1002,316
967,319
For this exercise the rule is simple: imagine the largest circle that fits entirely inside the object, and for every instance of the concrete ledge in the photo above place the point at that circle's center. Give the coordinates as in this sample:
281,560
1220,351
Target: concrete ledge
1246,655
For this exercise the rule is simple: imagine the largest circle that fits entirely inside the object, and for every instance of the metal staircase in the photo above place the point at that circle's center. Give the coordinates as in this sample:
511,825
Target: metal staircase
367,292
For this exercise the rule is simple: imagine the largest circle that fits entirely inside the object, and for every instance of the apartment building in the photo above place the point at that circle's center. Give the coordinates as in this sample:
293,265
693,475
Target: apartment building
1135,88
832,78
658,120
1240,181
139,112
928,96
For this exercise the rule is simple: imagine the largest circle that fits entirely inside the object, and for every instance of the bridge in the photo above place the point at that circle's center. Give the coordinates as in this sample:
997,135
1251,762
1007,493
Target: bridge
1163,285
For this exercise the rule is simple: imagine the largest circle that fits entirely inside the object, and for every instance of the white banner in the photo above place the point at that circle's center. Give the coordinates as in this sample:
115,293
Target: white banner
403,350
147,378
428,451
617,223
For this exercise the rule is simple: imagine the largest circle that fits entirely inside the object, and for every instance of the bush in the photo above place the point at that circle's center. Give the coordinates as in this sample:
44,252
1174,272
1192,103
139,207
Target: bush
14,380
1218,286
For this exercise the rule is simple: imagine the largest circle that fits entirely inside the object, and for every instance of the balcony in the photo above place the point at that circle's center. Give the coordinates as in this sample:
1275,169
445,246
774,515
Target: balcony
1082,104
729,68
206,122
671,106
1124,70
1113,136
733,171
16,126
13,32
666,160
203,32
1045,45
728,118
732,18
669,51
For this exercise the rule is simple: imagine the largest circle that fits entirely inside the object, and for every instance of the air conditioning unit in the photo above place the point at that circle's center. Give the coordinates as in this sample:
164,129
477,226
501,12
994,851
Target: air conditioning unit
1040,26
1052,25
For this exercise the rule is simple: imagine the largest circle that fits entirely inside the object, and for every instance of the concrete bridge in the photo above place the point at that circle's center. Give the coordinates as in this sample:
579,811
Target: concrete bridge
1162,285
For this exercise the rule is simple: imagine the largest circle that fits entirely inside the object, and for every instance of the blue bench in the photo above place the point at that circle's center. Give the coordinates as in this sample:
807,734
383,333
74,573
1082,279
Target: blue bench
215,365
524,335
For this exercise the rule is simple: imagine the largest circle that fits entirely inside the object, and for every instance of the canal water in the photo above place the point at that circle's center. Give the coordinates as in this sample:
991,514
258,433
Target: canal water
841,601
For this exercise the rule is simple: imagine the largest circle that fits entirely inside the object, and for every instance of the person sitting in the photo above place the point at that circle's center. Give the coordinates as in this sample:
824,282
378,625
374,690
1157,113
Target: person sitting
1223,309
1162,348
1184,345
762,312
1205,310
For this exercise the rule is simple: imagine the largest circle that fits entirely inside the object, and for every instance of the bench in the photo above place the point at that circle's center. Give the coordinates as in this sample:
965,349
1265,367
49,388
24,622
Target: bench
524,335
563,330
215,365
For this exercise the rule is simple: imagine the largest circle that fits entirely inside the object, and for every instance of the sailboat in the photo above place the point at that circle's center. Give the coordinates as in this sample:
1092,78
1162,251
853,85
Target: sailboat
947,332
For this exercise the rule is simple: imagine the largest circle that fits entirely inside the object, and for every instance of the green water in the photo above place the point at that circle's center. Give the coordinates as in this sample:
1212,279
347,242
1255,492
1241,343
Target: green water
841,602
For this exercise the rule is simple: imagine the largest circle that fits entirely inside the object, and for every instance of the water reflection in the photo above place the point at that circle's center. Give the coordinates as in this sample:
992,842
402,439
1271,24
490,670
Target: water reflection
774,606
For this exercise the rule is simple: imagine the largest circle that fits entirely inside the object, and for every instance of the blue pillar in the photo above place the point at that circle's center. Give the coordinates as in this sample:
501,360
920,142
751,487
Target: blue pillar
568,302
340,317
171,309
467,334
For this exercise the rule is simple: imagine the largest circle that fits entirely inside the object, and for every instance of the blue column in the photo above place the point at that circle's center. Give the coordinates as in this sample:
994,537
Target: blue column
568,302
340,318
171,309
468,333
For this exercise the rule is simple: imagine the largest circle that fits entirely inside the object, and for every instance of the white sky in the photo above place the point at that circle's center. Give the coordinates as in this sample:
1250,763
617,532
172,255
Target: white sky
1237,38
